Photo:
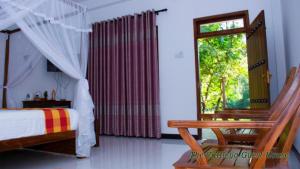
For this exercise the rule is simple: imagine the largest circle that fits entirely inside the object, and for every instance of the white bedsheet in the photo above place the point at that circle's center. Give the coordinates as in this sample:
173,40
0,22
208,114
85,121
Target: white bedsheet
25,123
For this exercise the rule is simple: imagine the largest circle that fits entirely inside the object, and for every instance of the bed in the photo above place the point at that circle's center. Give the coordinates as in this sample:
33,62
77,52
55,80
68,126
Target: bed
29,128
69,28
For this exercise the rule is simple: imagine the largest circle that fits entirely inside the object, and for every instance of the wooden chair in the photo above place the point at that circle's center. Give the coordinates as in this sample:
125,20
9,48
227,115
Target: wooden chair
283,91
248,136
275,136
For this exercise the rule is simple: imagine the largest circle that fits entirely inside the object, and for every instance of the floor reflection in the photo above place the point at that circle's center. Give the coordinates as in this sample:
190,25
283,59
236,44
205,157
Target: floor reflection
114,153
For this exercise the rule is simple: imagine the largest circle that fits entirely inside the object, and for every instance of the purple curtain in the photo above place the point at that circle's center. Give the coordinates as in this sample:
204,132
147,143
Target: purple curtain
123,76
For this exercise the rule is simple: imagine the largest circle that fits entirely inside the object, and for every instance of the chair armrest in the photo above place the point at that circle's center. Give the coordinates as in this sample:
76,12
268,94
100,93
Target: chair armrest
250,111
221,124
235,116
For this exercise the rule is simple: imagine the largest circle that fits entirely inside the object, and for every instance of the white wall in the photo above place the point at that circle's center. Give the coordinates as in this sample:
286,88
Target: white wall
2,57
39,79
177,75
291,15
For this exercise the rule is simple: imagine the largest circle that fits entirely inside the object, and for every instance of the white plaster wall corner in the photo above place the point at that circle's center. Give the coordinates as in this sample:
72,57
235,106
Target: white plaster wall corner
280,51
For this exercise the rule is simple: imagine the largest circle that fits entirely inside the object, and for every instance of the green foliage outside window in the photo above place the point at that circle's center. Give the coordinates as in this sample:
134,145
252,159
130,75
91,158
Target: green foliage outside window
223,57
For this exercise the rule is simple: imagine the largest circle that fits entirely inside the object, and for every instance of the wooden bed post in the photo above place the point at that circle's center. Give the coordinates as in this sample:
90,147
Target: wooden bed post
6,66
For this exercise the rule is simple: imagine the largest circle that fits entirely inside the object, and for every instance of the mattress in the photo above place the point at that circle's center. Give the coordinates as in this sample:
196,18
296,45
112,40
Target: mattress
25,123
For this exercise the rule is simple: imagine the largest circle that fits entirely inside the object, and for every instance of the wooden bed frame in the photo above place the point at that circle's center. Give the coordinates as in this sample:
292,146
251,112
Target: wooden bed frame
63,142
59,142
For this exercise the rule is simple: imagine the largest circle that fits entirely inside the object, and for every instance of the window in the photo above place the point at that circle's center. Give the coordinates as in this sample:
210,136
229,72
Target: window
224,24
221,62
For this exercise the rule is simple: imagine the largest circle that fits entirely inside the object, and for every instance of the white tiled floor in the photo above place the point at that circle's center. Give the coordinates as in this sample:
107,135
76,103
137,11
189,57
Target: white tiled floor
114,153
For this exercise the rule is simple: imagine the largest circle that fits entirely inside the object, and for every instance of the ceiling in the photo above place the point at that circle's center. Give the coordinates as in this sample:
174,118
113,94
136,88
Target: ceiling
91,4
97,4
79,0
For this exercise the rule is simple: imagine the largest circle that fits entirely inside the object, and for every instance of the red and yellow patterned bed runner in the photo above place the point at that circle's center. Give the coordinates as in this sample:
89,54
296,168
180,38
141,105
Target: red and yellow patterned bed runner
57,120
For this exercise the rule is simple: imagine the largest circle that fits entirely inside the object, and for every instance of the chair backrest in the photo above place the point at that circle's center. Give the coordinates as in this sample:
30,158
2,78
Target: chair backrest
286,94
285,88
291,113
289,92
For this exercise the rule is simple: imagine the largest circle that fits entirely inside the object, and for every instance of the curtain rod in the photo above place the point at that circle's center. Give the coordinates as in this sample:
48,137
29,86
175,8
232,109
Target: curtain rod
157,12
10,31
162,10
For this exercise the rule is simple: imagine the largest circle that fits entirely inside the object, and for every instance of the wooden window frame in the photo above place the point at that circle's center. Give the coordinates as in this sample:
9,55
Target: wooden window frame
198,35
219,18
